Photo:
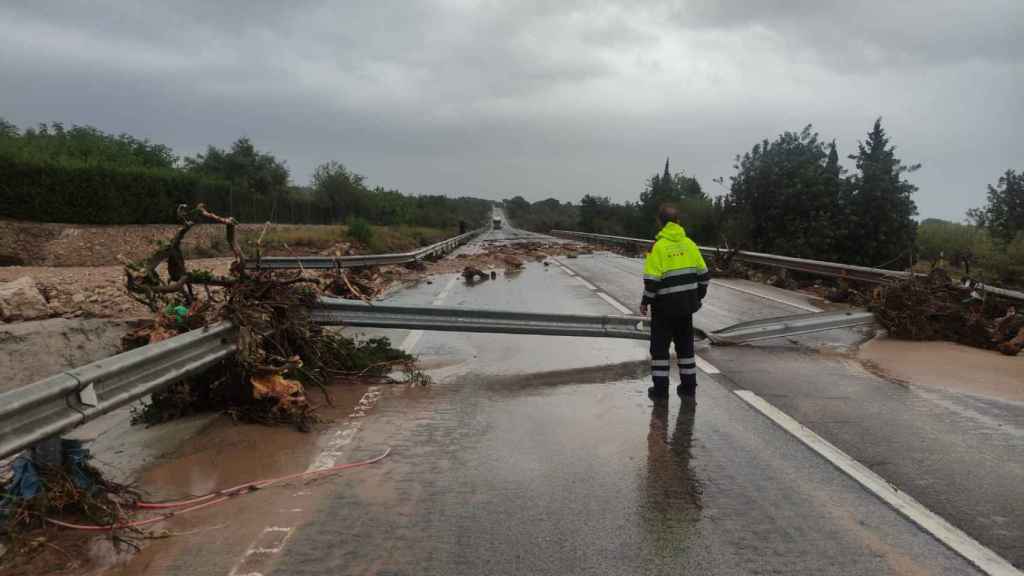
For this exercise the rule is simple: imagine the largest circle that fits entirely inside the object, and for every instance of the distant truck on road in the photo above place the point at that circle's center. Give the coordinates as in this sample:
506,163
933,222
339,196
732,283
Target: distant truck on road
496,223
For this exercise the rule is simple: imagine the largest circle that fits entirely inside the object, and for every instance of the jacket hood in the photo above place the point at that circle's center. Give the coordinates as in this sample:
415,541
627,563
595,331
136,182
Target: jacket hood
672,232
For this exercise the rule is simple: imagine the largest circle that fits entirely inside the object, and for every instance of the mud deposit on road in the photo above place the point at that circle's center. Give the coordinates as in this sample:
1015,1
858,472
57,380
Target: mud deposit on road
948,366
211,540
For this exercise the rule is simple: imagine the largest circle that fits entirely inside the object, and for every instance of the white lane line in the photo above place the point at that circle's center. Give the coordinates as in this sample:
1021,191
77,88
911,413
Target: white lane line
798,305
974,552
342,437
567,271
614,303
706,366
413,337
444,292
584,281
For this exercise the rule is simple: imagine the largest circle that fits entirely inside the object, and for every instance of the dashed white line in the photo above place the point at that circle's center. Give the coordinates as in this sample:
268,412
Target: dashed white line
341,438
256,554
974,552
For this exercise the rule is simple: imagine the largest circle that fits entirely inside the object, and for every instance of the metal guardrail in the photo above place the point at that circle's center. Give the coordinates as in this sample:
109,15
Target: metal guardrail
791,326
336,312
57,404
819,267
332,262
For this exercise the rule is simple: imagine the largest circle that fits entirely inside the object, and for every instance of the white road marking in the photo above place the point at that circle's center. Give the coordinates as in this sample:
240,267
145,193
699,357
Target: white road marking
257,554
342,437
706,366
336,444
413,338
584,281
444,293
970,549
798,305
614,303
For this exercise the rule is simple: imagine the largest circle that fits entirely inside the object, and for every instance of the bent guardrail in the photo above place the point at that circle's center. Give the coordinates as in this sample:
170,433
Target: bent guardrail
819,267
330,262
59,403
337,312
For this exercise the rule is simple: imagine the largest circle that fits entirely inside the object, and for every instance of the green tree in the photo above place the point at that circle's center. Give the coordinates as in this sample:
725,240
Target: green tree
943,241
259,181
881,207
341,191
668,188
1004,213
783,197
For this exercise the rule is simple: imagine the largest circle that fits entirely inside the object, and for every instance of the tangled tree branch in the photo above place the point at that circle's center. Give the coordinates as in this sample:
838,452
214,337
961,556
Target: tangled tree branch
143,279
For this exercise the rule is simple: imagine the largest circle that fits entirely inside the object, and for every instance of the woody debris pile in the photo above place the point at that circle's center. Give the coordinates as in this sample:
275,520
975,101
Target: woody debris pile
935,308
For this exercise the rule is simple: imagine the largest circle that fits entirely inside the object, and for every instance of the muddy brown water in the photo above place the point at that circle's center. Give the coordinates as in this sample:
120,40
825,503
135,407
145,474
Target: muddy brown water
224,455
948,366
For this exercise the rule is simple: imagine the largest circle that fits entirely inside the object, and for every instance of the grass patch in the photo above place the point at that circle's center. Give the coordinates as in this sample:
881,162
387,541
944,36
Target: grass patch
314,237
403,238
367,238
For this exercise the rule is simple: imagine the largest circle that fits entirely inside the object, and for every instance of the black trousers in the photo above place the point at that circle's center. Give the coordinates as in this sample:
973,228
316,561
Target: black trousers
666,329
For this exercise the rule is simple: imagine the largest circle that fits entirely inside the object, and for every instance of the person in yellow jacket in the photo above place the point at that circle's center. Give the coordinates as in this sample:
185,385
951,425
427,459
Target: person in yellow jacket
675,283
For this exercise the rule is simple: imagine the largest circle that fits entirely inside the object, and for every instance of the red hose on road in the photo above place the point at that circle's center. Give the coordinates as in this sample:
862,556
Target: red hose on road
212,498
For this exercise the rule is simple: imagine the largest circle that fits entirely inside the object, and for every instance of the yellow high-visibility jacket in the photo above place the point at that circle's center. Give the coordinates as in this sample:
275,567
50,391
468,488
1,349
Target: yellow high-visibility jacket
675,276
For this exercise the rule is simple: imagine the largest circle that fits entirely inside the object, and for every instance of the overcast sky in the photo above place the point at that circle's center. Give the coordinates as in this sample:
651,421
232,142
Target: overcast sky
542,99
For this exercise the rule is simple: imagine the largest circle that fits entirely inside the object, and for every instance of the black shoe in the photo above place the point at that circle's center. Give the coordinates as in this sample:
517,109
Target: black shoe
657,392
687,390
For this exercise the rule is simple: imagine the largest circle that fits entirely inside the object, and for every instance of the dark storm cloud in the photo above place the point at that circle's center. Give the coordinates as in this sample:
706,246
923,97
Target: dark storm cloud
533,98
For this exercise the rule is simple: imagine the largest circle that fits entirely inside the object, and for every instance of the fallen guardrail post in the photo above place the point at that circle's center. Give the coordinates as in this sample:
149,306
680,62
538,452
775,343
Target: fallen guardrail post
59,403
796,325
337,312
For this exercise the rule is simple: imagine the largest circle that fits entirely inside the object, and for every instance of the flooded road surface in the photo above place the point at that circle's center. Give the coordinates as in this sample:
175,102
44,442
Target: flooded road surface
543,455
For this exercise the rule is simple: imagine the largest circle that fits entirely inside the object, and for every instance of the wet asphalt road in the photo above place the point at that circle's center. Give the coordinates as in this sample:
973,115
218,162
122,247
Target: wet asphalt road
960,455
542,455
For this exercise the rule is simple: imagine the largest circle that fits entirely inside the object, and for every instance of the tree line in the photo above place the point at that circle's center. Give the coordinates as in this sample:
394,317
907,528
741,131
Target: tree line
83,175
791,196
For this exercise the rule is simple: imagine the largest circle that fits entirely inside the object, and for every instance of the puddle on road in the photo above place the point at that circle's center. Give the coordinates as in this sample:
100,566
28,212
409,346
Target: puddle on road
513,383
948,366
226,454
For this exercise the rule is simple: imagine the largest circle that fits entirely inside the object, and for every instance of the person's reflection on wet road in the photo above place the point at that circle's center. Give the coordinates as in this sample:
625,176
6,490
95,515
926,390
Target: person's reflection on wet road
671,503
